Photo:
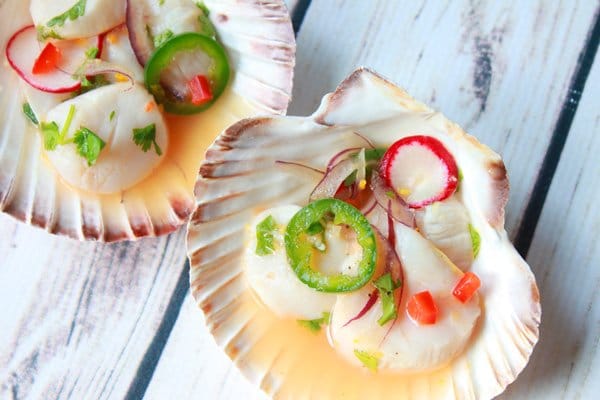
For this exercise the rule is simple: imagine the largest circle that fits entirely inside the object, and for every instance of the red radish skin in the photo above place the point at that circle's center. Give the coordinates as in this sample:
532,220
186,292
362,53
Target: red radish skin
21,53
389,161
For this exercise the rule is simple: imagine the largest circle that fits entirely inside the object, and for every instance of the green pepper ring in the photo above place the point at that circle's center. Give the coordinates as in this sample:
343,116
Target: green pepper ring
299,251
165,54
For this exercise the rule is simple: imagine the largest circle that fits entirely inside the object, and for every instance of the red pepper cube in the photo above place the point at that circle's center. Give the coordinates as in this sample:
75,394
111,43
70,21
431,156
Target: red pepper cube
422,309
47,60
200,89
466,287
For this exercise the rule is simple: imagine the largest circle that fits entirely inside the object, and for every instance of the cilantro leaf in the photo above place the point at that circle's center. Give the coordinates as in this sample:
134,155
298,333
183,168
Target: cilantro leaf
72,13
264,236
475,240
145,137
44,33
112,115
30,114
162,37
89,145
369,360
314,325
92,52
386,286
51,135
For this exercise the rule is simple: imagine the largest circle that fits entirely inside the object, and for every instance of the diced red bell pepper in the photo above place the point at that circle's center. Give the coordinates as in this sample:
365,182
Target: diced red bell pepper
422,309
466,287
200,89
47,60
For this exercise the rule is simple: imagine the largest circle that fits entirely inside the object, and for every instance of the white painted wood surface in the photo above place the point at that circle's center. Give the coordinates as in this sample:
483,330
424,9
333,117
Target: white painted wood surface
77,318
438,52
565,256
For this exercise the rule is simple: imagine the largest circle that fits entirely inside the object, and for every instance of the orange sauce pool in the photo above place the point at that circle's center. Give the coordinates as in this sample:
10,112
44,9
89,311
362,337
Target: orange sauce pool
290,361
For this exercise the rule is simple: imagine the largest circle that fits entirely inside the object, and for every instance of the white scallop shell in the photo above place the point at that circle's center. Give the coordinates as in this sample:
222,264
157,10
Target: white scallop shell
240,177
259,39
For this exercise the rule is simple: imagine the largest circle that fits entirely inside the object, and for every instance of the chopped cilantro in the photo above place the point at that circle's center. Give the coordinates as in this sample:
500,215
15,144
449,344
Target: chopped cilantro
51,135
205,27
72,13
112,115
146,137
369,360
264,236
314,325
92,52
89,145
162,37
44,33
475,240
386,286
161,2
390,194
30,114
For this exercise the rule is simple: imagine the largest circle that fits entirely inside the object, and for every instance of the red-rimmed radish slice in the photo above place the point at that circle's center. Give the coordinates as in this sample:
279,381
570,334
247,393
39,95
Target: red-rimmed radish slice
420,169
23,50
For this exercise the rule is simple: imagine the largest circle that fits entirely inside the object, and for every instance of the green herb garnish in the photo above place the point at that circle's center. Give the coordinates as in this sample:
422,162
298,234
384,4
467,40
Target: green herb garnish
44,33
112,115
146,137
51,135
203,7
72,13
369,360
475,240
264,236
314,325
390,194
30,114
386,286
162,37
92,52
89,145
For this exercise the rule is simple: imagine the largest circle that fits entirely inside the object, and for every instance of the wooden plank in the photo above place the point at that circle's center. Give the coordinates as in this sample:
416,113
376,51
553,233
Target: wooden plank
205,371
565,255
77,318
500,69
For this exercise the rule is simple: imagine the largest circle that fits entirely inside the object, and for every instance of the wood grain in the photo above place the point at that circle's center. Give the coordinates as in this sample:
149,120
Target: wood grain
502,70
565,256
78,317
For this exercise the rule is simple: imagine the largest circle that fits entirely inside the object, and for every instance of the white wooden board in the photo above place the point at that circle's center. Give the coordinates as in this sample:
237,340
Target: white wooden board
77,318
565,256
441,53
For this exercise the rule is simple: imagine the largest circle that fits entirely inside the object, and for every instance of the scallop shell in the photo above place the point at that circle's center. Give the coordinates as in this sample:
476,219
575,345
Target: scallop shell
259,39
240,177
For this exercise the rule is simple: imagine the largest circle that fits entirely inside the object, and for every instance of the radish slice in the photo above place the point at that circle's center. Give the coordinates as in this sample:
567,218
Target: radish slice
23,50
420,169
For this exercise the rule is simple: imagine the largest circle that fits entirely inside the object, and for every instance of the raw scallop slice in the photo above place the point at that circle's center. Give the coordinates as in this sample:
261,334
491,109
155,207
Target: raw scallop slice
112,112
408,347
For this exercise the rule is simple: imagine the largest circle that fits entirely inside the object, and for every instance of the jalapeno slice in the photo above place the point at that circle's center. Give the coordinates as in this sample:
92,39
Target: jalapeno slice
169,83
300,250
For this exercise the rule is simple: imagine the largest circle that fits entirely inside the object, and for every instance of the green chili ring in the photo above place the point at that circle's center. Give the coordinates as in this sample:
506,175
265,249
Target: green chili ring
299,251
164,55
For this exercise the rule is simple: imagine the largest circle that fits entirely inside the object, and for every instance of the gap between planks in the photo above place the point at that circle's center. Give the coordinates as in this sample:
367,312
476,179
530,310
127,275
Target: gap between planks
531,216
